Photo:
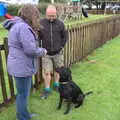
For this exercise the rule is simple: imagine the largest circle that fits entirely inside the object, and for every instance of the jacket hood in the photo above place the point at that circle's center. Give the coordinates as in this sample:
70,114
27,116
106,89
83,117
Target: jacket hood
10,22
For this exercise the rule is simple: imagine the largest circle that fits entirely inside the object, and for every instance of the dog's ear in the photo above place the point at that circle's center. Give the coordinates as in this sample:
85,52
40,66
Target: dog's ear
69,74
69,70
57,70
69,77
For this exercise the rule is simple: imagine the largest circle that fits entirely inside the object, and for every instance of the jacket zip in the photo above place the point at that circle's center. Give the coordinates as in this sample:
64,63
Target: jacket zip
51,29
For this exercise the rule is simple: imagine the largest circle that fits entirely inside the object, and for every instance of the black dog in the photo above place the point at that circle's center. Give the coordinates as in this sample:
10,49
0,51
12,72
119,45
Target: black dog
69,90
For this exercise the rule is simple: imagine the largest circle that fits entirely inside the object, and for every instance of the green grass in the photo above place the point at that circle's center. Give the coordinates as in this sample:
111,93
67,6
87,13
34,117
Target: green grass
84,20
99,72
3,33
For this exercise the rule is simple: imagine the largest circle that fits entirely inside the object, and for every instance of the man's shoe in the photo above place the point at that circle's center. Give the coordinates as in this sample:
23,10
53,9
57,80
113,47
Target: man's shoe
45,94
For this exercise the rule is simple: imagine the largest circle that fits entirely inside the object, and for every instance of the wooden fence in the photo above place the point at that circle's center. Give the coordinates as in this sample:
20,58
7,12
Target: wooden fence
83,39
104,11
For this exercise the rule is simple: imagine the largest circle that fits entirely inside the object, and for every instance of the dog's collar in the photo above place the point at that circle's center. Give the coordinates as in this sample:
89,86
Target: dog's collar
63,83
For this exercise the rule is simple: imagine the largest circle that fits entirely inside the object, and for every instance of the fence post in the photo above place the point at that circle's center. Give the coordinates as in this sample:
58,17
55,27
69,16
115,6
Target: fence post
10,79
2,81
38,76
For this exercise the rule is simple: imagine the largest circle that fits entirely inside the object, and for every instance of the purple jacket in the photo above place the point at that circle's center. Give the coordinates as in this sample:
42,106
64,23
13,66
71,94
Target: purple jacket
23,48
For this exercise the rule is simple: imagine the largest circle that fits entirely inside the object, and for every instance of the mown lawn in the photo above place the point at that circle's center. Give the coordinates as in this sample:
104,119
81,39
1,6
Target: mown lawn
91,17
99,72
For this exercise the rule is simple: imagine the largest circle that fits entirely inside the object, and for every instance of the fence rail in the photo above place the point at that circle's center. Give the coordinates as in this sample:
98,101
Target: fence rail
83,39
104,11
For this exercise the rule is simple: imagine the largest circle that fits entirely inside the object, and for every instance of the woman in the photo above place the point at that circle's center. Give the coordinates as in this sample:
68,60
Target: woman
23,53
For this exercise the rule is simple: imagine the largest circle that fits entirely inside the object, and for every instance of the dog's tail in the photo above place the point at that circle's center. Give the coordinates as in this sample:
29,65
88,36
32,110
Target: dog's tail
88,93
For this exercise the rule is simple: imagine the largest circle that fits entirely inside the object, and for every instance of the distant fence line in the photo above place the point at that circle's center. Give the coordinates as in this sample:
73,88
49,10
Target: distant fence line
104,11
83,39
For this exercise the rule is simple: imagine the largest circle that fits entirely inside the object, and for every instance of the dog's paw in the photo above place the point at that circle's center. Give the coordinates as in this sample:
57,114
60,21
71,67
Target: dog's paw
65,113
58,108
76,106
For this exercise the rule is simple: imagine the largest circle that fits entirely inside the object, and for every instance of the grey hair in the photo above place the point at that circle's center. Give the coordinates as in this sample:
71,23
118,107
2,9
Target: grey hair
28,12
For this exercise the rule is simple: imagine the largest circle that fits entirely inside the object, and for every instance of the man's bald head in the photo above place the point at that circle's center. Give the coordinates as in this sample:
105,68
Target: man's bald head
51,9
51,13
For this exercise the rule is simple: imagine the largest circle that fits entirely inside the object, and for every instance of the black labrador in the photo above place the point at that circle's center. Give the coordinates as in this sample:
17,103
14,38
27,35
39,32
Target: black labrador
69,90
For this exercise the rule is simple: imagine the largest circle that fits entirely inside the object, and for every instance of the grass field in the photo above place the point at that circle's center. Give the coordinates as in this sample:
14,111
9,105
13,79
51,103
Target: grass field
84,20
99,72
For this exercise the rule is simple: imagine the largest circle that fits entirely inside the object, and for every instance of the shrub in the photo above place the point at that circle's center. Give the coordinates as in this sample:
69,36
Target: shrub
13,9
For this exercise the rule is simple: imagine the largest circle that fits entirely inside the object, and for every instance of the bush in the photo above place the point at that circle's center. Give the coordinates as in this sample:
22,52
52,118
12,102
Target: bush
42,8
1,18
13,9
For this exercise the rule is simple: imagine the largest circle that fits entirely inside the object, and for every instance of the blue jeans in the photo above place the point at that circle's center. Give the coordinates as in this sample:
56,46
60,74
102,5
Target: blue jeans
23,86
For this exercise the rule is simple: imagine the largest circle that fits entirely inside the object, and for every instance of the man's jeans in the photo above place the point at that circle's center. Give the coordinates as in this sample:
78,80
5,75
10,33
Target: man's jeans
23,85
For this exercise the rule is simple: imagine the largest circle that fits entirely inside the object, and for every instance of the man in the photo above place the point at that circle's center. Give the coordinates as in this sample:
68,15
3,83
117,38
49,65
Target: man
54,40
